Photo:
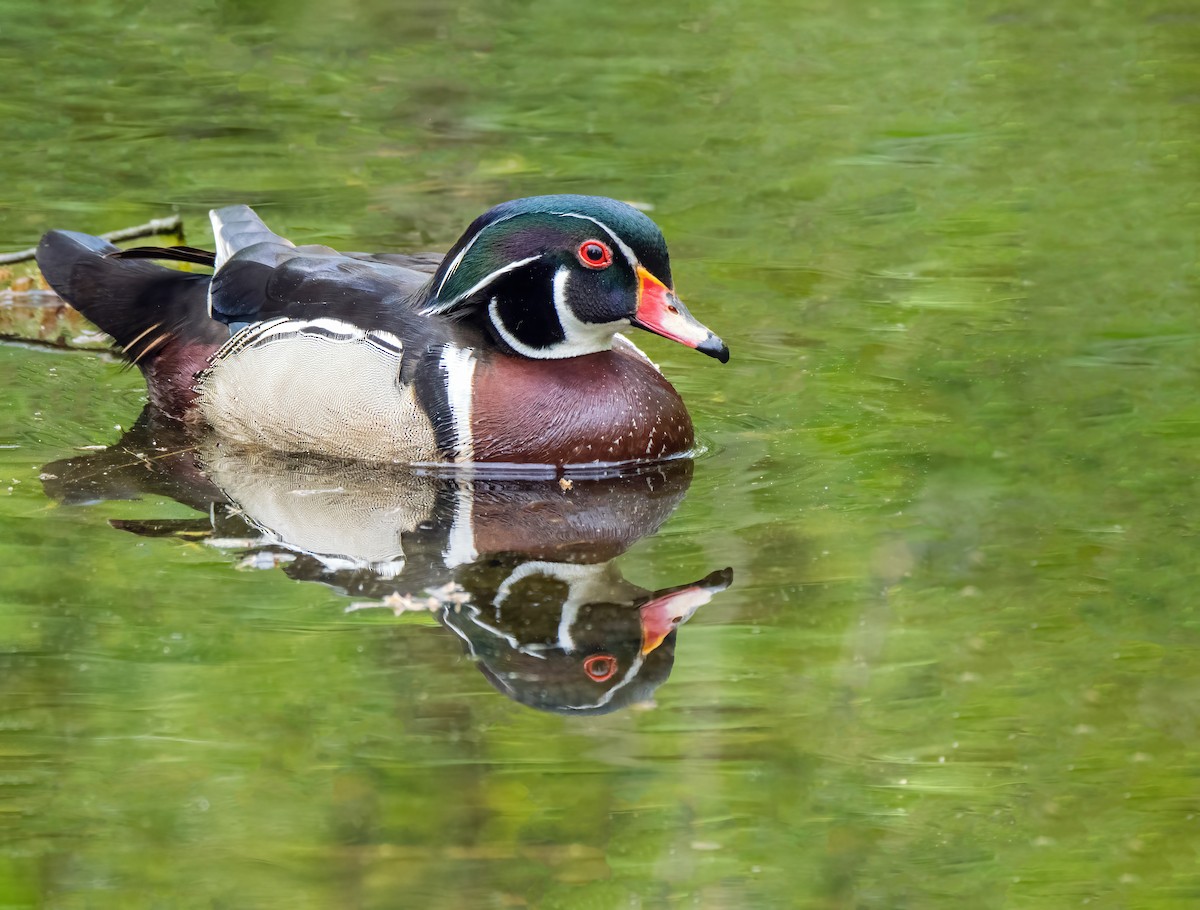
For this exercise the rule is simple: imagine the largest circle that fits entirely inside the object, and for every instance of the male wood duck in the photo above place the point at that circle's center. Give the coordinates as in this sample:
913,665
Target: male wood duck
506,350
571,638
520,570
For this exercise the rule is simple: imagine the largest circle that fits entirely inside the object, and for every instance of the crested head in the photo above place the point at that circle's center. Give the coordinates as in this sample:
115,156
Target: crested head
558,276
535,225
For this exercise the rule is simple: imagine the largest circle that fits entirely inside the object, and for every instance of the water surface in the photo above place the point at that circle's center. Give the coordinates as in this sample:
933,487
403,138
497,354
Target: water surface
952,465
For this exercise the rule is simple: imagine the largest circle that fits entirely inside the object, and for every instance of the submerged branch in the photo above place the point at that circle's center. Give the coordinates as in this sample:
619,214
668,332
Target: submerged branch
158,226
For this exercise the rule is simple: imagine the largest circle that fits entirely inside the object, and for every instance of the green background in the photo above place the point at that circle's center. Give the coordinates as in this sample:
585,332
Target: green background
953,463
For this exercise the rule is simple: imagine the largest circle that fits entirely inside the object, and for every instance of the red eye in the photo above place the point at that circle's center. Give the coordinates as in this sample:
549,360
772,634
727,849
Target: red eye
594,254
600,667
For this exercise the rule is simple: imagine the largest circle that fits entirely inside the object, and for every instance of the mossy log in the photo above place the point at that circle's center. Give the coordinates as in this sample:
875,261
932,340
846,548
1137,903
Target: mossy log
30,312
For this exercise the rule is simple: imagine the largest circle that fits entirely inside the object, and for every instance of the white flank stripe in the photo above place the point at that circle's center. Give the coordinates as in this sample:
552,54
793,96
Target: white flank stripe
459,366
460,545
281,328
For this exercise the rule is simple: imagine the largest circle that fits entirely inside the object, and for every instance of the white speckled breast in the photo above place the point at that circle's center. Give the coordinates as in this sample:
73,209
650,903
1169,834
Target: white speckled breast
320,386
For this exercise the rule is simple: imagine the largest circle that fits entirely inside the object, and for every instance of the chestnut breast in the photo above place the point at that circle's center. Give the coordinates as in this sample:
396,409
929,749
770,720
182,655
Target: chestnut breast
171,375
609,406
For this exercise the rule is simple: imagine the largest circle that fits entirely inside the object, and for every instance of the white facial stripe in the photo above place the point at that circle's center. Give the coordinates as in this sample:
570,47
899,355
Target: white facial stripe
477,619
459,258
630,676
454,265
626,250
458,261
458,365
466,641
474,617
488,279
586,584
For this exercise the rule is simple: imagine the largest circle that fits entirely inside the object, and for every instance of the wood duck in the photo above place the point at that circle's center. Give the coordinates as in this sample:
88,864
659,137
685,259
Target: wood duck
575,638
520,570
506,350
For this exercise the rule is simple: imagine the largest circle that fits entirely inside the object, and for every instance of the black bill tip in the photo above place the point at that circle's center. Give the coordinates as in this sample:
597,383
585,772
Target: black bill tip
714,347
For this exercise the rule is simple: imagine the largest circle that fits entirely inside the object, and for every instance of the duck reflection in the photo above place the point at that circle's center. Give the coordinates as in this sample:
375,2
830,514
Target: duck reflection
520,570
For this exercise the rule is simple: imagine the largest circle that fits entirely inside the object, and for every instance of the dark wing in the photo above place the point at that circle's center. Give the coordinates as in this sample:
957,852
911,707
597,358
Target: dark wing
260,275
146,308
417,262
168,254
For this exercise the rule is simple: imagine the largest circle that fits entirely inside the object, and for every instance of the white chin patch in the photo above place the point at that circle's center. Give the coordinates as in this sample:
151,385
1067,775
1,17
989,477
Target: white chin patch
580,337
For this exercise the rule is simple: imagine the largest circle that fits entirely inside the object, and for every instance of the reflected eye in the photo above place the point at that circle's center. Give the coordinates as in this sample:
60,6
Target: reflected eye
600,667
594,254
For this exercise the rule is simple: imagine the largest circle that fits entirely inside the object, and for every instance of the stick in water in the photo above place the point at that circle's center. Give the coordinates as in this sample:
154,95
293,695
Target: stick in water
159,226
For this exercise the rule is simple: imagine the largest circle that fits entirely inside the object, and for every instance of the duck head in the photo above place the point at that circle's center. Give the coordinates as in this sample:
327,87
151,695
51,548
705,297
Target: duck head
557,276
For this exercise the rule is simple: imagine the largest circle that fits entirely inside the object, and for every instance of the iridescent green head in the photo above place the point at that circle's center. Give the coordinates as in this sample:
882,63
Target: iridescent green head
558,276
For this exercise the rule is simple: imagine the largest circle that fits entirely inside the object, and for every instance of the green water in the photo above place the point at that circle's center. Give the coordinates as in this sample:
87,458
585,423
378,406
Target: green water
953,465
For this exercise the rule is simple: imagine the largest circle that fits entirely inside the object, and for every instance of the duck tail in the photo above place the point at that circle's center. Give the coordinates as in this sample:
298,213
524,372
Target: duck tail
157,316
